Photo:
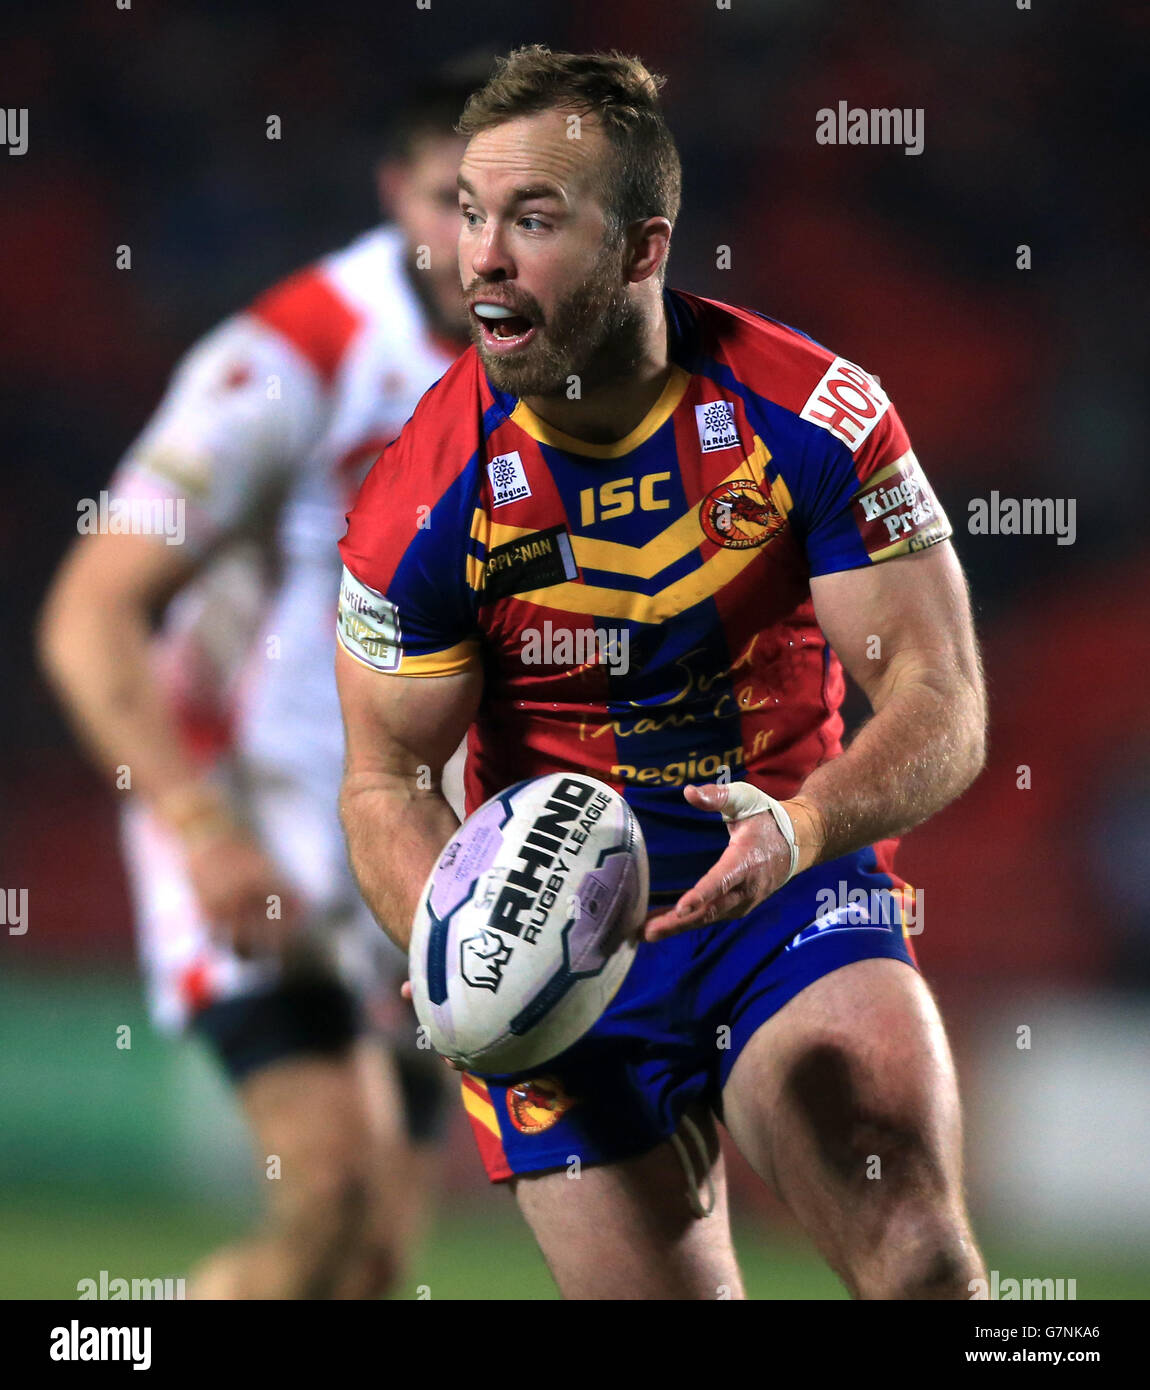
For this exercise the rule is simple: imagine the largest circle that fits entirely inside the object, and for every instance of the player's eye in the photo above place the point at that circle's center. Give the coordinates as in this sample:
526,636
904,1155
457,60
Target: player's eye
469,217
524,220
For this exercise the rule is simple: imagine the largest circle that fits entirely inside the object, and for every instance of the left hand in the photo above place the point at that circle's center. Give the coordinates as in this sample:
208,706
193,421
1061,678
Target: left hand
405,990
752,867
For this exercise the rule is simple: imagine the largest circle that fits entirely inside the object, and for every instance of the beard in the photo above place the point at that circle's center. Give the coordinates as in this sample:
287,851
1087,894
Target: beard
594,334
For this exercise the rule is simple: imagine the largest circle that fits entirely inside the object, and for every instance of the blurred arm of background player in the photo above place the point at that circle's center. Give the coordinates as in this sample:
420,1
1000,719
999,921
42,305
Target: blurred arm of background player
228,445
394,726
96,643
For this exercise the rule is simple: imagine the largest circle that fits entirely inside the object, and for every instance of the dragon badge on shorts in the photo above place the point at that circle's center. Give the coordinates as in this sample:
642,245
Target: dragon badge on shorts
537,1104
738,516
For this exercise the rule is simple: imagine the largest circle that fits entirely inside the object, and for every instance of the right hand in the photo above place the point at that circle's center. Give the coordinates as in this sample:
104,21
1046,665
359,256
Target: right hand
240,890
242,894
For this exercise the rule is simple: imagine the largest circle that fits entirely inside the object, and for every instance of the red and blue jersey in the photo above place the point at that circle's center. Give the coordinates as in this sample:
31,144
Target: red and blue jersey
640,610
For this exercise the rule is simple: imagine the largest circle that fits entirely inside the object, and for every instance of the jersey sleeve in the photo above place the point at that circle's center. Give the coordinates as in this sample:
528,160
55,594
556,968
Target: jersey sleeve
863,497
243,407
407,605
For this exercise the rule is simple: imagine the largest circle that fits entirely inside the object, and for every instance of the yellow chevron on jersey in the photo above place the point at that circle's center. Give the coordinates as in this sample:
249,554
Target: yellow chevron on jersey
651,423
630,606
684,534
638,561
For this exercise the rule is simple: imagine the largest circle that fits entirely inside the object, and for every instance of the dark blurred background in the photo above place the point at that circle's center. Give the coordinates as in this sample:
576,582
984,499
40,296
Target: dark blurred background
147,127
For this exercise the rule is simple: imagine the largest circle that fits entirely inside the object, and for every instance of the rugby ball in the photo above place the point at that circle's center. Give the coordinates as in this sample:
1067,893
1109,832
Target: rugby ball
528,923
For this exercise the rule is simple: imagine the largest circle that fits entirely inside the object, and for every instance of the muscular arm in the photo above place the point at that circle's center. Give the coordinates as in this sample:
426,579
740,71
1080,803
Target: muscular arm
903,630
926,741
400,731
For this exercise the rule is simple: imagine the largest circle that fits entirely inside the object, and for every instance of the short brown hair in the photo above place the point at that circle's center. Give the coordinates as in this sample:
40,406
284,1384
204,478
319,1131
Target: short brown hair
646,178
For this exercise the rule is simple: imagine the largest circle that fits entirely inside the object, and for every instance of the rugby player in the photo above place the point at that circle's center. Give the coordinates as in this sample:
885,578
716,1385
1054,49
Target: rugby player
743,506
251,931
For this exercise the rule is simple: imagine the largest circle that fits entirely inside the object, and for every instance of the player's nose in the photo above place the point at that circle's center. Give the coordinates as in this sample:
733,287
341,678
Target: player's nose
490,259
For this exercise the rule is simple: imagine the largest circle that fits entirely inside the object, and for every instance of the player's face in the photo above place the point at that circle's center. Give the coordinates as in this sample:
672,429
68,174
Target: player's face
420,194
541,265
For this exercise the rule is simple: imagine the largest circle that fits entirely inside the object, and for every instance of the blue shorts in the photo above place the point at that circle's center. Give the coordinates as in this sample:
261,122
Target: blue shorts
682,1016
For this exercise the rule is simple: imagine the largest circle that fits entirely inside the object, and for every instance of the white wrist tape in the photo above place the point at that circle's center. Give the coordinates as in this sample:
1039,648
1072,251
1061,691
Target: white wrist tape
744,801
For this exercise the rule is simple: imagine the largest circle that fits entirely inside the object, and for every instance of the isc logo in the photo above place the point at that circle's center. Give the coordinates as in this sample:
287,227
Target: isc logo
612,500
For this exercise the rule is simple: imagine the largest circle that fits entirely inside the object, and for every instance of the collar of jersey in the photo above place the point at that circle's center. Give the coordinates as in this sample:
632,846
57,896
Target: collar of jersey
655,418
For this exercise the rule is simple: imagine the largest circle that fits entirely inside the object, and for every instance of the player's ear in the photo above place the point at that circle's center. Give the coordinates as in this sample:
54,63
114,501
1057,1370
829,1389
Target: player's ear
648,242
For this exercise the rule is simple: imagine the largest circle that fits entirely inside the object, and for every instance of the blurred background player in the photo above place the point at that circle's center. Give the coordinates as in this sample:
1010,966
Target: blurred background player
225,727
